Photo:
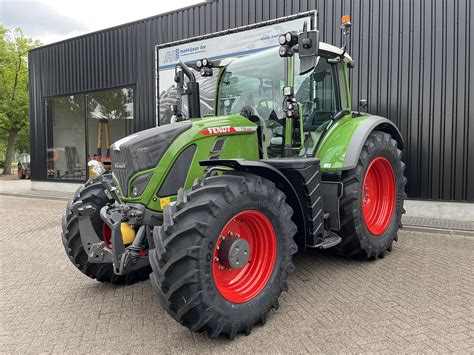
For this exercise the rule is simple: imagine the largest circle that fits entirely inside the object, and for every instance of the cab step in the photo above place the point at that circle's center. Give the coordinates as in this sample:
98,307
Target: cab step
328,242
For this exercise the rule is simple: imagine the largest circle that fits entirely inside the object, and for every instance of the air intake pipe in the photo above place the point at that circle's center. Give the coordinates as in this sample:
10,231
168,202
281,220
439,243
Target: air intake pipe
192,89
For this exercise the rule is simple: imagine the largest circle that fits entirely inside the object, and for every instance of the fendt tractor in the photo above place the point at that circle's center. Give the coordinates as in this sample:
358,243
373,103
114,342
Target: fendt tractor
212,209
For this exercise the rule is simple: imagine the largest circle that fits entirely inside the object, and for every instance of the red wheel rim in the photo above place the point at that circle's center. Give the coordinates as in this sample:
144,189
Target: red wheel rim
242,285
378,196
106,234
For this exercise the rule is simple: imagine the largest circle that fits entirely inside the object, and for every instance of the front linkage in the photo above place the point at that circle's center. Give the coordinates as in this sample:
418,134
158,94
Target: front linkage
119,247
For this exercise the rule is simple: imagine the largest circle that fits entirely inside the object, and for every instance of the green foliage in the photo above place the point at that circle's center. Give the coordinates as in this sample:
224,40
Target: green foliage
111,104
14,117
22,143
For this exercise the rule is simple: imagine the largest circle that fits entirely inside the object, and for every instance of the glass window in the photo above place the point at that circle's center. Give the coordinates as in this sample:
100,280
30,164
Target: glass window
317,95
345,100
65,137
109,118
254,84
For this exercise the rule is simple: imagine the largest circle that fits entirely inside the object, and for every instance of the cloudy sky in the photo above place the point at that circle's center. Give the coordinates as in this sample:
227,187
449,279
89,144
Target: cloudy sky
54,20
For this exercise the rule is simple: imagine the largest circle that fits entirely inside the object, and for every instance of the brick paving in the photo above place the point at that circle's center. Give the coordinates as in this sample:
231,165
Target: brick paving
419,298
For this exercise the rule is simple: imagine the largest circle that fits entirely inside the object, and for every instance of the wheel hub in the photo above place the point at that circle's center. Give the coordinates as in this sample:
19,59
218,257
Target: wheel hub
234,252
244,256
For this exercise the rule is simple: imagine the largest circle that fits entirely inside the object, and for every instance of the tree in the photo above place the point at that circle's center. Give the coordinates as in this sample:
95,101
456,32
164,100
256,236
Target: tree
14,118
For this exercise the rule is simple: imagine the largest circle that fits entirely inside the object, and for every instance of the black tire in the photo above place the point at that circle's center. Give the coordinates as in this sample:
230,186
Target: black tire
92,192
182,261
357,240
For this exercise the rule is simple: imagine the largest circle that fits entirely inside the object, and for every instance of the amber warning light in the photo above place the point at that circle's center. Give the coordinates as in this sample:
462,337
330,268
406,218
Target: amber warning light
346,19
346,24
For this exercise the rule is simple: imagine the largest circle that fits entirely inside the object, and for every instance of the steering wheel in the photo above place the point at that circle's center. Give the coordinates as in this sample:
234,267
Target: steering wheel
247,111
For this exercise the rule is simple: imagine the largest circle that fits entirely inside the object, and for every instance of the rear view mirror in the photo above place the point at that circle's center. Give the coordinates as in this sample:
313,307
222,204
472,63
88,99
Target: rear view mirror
308,48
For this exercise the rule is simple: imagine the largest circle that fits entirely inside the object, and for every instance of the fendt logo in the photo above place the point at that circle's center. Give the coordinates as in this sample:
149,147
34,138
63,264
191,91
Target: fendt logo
120,165
219,130
227,130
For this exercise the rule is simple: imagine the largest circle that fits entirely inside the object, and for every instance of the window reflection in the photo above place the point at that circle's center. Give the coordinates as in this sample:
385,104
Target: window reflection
65,135
110,117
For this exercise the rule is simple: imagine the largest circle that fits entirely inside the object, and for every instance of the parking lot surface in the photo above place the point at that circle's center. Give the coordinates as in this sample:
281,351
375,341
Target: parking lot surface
420,297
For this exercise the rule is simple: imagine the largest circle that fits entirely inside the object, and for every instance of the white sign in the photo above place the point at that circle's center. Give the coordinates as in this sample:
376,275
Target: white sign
216,48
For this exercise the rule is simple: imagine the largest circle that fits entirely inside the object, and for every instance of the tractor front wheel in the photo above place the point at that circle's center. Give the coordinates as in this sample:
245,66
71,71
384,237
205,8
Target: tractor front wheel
223,254
372,202
93,193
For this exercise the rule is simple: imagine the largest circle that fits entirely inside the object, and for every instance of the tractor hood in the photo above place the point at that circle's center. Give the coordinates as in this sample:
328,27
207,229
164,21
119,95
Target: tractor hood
152,165
142,150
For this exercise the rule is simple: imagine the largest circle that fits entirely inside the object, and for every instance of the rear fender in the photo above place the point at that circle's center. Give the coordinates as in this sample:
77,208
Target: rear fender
342,145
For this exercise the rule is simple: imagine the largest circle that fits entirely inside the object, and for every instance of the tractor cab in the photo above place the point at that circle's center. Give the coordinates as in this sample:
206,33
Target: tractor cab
253,87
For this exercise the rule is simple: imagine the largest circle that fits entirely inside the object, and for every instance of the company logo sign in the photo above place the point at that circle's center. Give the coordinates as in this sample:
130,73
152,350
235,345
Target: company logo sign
176,54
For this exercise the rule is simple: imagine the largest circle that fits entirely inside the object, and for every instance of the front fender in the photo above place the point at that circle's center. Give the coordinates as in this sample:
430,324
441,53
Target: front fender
342,145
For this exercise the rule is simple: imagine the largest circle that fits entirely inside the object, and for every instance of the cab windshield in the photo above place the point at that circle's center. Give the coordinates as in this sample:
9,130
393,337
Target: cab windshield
253,85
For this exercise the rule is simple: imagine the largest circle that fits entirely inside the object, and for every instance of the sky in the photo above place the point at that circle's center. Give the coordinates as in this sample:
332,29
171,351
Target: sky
55,20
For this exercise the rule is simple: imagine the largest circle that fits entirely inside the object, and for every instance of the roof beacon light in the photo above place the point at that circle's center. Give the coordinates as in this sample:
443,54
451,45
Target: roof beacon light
346,24
346,30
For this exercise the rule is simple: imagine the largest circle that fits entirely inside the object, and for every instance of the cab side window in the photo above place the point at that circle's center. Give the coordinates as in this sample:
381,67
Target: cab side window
318,95
345,98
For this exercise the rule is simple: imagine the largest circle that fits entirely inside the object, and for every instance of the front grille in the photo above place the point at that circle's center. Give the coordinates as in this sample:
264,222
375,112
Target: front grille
142,151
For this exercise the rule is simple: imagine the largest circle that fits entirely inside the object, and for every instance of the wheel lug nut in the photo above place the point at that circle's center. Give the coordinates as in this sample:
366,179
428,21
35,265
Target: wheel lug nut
216,258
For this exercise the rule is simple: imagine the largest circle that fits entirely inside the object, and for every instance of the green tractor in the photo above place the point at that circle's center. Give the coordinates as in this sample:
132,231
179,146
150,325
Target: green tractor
212,209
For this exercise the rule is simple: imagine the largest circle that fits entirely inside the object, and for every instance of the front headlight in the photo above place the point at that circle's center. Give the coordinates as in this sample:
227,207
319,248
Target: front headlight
96,168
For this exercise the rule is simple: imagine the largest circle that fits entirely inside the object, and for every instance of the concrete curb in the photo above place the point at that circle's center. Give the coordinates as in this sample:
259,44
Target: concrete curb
434,230
419,217
36,196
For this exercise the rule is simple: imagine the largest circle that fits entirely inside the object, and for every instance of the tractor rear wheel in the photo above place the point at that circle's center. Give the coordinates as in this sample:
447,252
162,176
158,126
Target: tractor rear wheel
93,192
372,201
223,254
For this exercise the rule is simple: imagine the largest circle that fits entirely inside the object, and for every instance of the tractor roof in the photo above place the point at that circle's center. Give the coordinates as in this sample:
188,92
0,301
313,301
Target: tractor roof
325,47
333,49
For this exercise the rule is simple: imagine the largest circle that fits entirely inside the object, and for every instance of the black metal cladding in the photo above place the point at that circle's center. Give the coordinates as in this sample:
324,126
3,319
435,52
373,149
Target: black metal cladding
413,65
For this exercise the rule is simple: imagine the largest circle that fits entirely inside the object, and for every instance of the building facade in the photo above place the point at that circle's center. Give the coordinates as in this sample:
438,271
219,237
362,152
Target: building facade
413,66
